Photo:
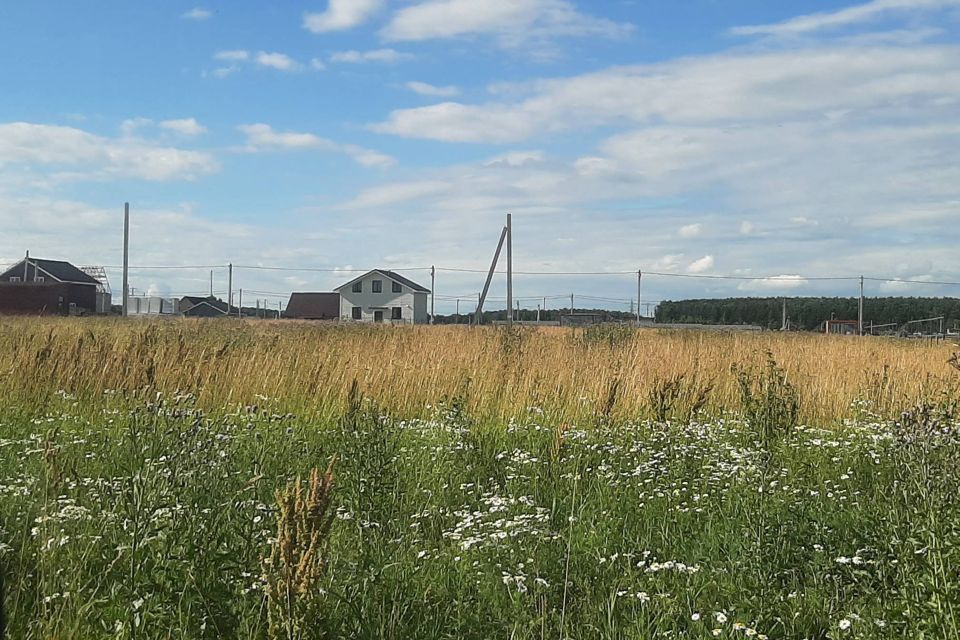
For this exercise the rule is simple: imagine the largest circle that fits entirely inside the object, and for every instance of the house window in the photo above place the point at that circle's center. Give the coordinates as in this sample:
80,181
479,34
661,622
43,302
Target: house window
15,279
377,286
357,313
358,286
397,288
396,313
39,279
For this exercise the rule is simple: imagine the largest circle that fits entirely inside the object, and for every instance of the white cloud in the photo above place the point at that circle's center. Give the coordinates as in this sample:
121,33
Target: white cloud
341,15
425,89
389,56
184,126
368,157
197,13
874,10
513,23
130,126
266,59
317,64
769,86
690,230
93,157
700,265
263,137
746,228
774,283
233,55
516,159
279,61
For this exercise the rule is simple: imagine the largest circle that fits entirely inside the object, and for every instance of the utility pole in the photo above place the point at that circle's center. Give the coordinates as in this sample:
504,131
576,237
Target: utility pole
229,287
518,311
240,306
509,270
783,324
126,257
538,314
860,309
26,264
486,285
258,308
211,283
433,286
571,304
639,292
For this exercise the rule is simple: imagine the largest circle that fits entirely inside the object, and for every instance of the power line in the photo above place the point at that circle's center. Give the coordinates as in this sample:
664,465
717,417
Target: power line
324,269
905,281
799,279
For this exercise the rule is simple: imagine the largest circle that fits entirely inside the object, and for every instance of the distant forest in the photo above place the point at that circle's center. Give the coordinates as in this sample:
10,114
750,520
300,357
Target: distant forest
807,313
530,315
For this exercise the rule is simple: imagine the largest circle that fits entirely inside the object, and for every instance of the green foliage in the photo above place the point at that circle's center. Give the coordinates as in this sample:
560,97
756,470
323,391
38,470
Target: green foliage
678,397
805,313
148,518
769,401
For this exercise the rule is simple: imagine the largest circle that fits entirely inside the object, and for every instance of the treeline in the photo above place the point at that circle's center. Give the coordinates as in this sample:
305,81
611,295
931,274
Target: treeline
807,313
530,315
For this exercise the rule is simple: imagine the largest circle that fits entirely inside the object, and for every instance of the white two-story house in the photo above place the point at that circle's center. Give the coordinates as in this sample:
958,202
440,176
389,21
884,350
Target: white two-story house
383,296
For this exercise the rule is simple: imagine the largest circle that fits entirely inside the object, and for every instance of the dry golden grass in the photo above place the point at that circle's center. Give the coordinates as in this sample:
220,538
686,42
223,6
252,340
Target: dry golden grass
571,374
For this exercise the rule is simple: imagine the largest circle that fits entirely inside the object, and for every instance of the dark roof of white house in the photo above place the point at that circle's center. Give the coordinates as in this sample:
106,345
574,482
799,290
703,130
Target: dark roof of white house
393,275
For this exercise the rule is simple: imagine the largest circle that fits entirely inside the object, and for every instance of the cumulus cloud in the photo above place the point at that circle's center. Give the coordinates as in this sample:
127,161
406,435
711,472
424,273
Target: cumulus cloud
82,155
512,23
425,89
263,137
279,61
237,58
197,13
388,56
768,86
341,15
516,159
869,11
774,283
690,230
232,55
700,265
184,126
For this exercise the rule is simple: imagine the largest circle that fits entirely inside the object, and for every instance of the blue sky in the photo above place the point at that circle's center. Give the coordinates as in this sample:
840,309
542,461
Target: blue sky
741,137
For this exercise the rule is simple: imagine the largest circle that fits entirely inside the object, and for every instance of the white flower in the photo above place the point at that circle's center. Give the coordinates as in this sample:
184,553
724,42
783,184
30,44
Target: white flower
720,617
845,624
695,617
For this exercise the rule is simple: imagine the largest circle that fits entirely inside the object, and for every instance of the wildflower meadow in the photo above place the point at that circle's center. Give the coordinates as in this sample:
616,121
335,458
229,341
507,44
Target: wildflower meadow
717,504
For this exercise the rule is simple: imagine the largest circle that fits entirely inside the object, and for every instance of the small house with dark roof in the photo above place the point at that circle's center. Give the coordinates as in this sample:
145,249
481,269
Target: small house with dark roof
35,286
209,307
313,306
381,295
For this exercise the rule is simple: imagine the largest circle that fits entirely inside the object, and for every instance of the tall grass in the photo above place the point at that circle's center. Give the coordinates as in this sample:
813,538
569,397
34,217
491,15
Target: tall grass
571,374
161,480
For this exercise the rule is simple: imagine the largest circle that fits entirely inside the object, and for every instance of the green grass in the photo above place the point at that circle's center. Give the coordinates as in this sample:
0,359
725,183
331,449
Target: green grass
147,518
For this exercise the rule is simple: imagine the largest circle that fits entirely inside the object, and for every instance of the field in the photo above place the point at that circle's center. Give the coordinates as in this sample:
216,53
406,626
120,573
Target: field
277,480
